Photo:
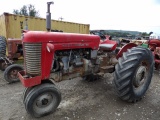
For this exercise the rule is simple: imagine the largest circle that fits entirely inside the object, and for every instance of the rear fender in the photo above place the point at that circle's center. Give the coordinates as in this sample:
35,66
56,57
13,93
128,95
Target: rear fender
124,49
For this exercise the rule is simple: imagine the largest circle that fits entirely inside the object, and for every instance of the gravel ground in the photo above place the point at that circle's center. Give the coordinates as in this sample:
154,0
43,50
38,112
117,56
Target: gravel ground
82,100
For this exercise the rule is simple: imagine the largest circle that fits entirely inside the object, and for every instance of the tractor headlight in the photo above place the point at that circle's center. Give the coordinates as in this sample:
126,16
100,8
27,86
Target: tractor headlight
50,47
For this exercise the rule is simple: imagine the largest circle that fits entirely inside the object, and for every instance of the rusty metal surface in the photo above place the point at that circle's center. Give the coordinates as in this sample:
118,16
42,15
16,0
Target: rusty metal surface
12,45
104,60
72,73
157,51
139,42
107,69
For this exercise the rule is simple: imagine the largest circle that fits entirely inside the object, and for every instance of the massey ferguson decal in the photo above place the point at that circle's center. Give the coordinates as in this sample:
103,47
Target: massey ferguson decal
74,45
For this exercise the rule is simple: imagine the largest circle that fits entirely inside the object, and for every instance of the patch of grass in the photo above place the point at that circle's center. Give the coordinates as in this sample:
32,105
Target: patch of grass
20,61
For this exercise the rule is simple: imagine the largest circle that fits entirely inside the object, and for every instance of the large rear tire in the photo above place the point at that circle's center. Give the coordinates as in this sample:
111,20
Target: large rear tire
133,73
2,46
42,100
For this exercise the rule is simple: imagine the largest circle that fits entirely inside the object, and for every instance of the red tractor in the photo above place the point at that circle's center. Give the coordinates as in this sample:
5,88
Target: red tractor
154,45
69,55
73,55
6,61
15,51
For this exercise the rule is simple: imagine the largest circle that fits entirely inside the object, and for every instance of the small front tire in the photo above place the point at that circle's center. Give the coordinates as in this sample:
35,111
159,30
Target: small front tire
42,100
11,73
25,93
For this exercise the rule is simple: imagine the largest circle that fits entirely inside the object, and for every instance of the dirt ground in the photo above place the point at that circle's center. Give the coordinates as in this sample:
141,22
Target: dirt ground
82,100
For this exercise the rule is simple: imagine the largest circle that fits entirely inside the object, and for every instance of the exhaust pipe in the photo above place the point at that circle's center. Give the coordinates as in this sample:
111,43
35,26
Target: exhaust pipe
48,16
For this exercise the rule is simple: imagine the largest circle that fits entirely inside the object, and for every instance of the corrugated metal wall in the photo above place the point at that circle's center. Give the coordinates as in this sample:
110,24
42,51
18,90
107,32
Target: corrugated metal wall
2,26
15,24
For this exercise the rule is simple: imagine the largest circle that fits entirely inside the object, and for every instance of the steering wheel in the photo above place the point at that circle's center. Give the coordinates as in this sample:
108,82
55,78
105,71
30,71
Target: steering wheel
101,35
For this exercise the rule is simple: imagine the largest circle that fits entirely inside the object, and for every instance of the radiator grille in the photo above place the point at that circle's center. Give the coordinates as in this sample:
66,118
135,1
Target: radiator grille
33,58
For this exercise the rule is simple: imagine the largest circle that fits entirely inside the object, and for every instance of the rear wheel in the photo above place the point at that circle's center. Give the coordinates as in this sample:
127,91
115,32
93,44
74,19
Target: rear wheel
2,46
11,73
2,52
42,100
133,73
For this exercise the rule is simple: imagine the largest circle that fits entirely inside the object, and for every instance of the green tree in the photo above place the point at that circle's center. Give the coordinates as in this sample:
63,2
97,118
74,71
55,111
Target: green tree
27,10
24,11
144,34
16,12
150,33
32,11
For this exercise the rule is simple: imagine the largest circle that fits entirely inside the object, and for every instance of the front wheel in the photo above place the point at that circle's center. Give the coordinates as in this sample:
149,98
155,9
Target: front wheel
42,100
133,73
11,73
25,93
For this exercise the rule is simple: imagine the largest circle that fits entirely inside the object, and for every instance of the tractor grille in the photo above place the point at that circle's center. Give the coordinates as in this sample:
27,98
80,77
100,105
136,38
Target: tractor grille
33,58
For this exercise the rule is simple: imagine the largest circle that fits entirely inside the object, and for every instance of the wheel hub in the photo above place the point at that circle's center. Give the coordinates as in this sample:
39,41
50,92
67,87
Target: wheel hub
14,74
140,76
44,100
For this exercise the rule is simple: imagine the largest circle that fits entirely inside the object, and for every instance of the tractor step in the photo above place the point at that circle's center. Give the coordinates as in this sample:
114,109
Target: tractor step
107,69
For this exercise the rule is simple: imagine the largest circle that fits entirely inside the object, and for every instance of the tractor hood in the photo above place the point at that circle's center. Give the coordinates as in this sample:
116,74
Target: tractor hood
61,38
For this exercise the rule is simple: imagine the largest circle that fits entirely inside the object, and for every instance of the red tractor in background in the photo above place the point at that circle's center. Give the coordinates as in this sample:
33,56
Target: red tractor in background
154,45
14,51
70,55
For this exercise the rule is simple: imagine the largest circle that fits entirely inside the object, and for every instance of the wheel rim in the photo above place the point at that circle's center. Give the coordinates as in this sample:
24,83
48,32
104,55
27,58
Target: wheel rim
141,75
44,103
13,74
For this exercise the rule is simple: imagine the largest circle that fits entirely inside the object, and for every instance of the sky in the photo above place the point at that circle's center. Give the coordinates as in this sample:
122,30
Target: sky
134,15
